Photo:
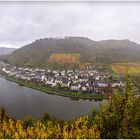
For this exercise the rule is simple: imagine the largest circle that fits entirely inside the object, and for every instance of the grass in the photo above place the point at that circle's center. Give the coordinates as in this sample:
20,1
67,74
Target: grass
56,91
108,68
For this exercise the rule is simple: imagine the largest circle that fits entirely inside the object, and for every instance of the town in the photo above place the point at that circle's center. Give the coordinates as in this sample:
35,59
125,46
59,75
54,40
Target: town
92,79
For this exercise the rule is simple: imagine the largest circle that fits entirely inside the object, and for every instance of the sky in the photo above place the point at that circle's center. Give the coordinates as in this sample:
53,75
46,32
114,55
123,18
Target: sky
23,22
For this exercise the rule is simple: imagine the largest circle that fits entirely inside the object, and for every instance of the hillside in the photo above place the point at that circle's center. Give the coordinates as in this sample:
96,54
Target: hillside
4,51
38,53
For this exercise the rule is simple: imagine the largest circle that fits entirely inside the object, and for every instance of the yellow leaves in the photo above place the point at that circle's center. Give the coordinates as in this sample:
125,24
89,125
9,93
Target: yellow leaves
65,134
11,122
30,132
1,135
94,132
77,128
57,132
16,135
4,126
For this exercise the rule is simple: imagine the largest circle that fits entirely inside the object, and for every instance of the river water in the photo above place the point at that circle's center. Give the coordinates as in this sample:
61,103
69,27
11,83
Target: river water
21,101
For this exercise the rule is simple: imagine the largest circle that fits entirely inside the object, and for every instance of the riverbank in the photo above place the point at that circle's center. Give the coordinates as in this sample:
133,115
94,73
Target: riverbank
56,91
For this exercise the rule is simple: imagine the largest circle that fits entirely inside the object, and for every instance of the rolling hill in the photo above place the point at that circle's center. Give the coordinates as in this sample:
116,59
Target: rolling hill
39,52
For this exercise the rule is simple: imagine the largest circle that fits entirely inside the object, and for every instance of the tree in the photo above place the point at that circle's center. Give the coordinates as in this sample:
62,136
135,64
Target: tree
28,122
45,117
2,114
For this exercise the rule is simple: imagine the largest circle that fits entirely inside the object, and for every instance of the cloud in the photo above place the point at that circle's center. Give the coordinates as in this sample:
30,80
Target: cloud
24,22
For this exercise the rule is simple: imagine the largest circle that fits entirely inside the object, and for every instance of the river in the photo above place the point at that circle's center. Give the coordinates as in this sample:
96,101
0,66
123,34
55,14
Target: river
21,101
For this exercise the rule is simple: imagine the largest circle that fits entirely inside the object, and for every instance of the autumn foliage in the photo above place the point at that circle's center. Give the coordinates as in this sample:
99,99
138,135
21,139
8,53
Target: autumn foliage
78,128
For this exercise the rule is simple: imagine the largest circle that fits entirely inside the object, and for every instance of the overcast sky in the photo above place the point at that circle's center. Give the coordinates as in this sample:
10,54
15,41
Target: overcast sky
22,23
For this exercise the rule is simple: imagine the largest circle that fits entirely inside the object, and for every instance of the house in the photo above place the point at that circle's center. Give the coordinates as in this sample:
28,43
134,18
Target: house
37,78
43,78
86,87
64,82
12,73
69,71
56,74
63,73
96,87
28,79
50,82
74,86
58,80
97,77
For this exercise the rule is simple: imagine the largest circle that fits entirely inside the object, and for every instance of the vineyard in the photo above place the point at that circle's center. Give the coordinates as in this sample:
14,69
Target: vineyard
132,68
65,58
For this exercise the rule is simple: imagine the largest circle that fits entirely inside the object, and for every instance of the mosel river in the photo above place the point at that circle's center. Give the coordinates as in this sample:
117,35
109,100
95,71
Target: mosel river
21,101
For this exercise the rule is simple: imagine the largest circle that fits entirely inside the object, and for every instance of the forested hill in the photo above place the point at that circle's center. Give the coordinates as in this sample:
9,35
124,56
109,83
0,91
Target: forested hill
106,51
